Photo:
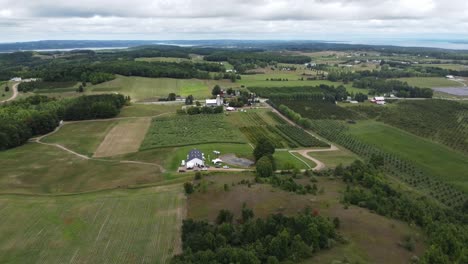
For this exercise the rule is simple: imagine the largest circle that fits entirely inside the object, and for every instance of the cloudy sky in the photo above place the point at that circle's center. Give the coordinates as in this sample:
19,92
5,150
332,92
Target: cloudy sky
23,20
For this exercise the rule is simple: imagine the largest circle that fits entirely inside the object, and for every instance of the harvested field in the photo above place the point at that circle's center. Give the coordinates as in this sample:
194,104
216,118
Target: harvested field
123,138
458,91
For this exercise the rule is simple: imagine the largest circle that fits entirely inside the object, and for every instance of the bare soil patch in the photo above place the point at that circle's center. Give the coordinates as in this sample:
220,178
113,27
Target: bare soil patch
125,137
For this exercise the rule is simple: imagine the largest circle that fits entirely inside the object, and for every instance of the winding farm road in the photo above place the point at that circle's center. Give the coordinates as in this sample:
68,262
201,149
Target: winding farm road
15,94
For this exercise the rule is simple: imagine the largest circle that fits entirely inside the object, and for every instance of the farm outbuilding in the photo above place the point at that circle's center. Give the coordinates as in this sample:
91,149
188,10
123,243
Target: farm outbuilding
195,158
214,102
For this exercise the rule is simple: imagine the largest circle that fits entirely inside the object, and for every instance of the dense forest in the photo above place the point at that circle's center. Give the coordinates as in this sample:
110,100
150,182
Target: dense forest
37,115
271,240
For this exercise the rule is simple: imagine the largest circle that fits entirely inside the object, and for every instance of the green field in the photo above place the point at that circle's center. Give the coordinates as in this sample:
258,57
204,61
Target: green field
259,80
139,88
334,158
5,95
285,161
455,67
163,59
35,168
436,159
81,137
139,226
430,82
143,110
190,130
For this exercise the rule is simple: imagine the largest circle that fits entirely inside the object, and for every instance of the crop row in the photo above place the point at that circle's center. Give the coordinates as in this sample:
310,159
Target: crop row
303,138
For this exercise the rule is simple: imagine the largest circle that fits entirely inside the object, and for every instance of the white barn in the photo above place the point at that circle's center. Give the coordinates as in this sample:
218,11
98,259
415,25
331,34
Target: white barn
195,159
214,102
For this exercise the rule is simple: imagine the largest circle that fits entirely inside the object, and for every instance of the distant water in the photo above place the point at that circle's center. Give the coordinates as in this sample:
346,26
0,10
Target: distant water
456,44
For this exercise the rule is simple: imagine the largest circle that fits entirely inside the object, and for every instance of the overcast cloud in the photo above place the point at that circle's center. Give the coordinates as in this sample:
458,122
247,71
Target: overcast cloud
22,20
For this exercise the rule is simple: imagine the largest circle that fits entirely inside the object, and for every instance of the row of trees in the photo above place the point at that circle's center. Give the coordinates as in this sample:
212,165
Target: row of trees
401,89
276,239
38,115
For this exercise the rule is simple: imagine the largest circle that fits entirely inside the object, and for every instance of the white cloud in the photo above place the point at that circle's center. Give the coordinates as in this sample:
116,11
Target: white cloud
188,19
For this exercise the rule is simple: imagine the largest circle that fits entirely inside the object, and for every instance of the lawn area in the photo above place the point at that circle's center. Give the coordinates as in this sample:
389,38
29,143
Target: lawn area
371,238
436,159
430,82
143,110
182,130
82,137
140,88
286,161
35,168
334,158
138,226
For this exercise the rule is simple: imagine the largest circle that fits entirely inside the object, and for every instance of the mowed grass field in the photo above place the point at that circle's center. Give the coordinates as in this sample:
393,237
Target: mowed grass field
430,82
436,159
148,110
82,137
371,238
332,159
133,226
455,67
36,168
3,94
140,88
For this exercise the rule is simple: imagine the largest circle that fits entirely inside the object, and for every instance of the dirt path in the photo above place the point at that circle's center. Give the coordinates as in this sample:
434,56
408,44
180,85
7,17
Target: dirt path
303,152
15,94
38,141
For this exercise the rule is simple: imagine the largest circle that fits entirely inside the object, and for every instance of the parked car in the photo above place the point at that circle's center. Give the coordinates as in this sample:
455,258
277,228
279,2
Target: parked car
225,167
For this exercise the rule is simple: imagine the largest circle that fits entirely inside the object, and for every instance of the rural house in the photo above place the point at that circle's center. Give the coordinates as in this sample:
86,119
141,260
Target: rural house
195,158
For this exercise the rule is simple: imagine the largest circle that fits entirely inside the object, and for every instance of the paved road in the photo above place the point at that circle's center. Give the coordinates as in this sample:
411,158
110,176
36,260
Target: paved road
15,94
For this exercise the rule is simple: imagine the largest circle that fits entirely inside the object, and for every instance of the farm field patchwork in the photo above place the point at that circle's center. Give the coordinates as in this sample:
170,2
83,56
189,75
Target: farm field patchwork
113,227
35,168
183,130
82,137
125,137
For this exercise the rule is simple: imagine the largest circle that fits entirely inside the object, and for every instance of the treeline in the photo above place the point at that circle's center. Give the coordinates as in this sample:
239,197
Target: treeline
446,228
276,239
401,89
195,110
321,92
244,60
37,115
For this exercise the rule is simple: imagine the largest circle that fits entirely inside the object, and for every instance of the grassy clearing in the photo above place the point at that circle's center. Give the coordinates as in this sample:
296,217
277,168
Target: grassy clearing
140,226
139,88
332,159
82,137
372,238
35,168
436,159
285,161
430,82
143,110
125,137
3,94
190,130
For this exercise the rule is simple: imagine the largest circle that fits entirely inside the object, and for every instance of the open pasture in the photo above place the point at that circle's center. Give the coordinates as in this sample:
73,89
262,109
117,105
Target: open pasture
137,226
140,88
332,159
184,130
148,110
82,137
35,168
430,82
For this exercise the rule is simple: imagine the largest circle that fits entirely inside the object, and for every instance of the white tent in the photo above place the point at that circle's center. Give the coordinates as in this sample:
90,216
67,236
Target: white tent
215,161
